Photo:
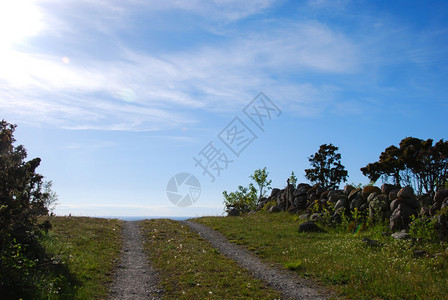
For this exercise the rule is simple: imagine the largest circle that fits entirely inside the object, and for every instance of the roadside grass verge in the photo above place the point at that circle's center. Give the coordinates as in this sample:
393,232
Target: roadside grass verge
342,260
87,250
190,268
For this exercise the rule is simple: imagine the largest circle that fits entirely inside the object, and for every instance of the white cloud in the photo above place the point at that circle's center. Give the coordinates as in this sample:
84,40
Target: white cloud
146,91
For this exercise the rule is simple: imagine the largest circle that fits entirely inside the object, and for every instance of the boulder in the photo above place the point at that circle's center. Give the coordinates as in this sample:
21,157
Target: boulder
357,202
366,191
348,188
300,202
393,194
274,209
316,217
401,235
336,197
302,188
292,209
444,204
411,202
304,216
439,198
275,193
372,243
406,193
387,188
324,195
394,204
401,217
320,190
309,226
342,203
354,193
233,212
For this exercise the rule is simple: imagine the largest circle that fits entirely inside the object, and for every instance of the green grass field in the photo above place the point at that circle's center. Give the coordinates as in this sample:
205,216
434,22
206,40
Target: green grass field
86,249
342,261
191,269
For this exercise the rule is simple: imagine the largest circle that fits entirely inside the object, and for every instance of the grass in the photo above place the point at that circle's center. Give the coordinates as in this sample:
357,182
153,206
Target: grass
342,260
191,269
86,250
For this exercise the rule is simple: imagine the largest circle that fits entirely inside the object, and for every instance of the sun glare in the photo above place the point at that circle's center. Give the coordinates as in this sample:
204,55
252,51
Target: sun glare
19,19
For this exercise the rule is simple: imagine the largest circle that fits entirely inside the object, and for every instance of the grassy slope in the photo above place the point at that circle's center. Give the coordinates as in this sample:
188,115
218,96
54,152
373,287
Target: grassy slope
88,248
341,260
191,269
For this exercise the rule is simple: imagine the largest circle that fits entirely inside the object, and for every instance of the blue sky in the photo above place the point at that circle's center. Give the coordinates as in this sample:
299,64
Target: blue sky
117,97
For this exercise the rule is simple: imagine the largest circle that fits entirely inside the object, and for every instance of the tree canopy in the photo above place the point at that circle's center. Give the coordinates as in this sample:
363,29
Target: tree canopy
419,163
327,170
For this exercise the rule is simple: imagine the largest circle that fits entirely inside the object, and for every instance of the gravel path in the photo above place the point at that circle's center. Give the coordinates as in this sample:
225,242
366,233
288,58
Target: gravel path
135,279
288,283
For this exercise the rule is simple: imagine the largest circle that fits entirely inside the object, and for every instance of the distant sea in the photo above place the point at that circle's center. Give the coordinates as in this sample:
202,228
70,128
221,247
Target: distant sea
139,218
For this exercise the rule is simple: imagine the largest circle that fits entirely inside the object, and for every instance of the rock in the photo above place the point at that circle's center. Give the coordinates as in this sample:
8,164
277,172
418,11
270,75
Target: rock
313,197
394,204
393,194
406,193
348,188
233,212
387,188
275,192
292,209
371,197
316,217
444,204
300,202
378,206
357,202
366,191
364,207
335,198
303,188
274,209
412,202
342,203
401,217
440,196
333,193
371,243
401,235
420,253
354,193
309,226
324,195
304,217
424,211
320,190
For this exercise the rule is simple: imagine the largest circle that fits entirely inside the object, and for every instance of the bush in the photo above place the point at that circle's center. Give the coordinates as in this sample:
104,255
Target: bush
244,199
23,197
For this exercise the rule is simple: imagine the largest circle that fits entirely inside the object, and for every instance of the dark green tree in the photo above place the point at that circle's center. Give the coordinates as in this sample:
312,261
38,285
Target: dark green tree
416,162
23,197
327,170
390,164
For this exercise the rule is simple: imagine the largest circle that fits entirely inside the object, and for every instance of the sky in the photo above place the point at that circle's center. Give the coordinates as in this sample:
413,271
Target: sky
124,100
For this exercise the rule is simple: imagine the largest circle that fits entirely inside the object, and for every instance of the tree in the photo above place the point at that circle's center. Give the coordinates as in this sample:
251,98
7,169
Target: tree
327,169
389,164
293,179
23,197
260,177
416,162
